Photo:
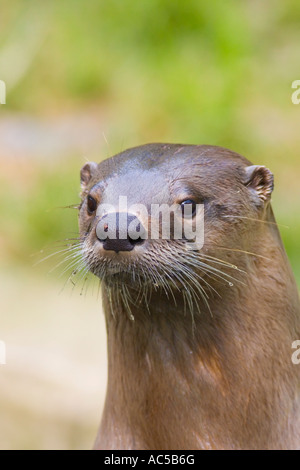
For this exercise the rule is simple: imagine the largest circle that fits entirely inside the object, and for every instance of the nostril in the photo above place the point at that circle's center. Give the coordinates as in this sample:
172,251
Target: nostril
137,241
135,230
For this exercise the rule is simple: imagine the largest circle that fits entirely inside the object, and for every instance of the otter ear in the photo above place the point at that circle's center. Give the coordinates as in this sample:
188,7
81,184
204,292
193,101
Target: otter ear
261,180
86,174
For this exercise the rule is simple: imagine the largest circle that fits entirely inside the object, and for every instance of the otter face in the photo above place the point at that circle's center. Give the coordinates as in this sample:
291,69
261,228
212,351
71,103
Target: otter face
117,223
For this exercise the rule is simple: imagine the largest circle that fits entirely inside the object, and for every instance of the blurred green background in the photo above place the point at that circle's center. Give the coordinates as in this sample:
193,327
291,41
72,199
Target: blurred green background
86,80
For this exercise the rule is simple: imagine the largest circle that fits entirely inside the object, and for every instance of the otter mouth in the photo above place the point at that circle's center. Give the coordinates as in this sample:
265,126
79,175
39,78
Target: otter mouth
112,272
164,267
133,277
117,276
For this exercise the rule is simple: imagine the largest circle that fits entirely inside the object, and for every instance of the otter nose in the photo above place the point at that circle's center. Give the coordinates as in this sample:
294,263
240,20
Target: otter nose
120,231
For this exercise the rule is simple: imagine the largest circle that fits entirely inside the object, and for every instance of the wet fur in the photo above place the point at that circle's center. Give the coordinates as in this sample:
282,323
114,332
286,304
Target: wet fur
199,343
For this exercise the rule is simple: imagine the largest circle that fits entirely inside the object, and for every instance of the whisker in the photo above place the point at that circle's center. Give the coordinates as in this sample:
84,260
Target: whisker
56,253
255,220
222,262
241,251
70,206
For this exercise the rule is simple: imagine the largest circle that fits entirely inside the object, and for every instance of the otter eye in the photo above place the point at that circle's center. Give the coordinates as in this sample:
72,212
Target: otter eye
188,208
91,204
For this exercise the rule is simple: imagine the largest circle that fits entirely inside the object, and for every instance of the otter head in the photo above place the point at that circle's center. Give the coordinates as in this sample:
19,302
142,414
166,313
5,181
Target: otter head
171,218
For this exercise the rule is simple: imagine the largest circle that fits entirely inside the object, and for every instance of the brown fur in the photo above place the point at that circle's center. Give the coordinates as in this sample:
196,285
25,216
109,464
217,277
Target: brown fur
221,378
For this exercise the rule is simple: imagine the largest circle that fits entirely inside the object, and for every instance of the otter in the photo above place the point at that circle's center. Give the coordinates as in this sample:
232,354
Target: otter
199,337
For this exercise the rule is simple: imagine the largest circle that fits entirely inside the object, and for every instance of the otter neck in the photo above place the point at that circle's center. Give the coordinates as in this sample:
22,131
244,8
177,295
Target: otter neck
177,381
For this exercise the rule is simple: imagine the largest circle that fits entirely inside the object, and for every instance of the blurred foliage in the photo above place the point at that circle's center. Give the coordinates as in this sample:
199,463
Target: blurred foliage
199,72
37,223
